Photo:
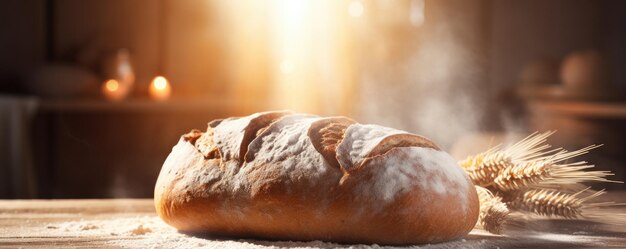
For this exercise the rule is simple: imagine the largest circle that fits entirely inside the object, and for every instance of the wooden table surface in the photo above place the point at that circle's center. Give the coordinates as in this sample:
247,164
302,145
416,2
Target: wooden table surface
132,223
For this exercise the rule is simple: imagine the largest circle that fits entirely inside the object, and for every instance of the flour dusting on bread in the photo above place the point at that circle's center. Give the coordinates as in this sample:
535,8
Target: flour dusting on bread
449,178
359,140
303,177
286,143
401,169
228,136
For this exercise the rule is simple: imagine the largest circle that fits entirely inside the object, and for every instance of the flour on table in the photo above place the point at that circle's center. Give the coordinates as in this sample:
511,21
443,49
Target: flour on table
134,226
152,232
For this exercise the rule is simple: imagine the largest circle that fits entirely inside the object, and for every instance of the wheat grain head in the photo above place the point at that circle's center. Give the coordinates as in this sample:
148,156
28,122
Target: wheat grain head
493,212
557,204
547,173
484,167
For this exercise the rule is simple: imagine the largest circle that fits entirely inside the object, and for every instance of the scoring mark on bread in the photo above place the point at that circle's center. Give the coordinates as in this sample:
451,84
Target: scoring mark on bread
364,142
259,123
401,140
273,128
206,146
214,123
326,134
203,141
232,135
192,136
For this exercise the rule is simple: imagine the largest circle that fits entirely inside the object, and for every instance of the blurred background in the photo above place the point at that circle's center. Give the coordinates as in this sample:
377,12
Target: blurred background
94,94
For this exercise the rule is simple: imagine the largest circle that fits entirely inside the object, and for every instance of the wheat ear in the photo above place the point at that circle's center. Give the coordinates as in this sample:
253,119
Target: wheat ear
545,172
557,204
485,167
484,173
493,212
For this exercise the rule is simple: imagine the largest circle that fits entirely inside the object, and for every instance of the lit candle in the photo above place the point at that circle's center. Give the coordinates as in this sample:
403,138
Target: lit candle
159,88
113,90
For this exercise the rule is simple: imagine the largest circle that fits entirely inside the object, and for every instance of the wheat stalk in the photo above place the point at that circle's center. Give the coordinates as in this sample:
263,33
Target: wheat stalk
553,203
531,147
529,178
482,171
545,172
483,174
493,212
485,167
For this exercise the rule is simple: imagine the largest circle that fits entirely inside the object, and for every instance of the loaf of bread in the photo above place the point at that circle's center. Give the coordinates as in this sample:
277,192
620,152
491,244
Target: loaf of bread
285,176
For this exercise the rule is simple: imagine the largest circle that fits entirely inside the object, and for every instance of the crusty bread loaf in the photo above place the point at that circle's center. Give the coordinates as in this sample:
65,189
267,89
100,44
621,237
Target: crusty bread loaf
277,175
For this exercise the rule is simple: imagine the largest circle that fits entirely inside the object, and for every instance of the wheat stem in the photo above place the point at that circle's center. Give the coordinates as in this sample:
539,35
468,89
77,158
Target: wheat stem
534,179
530,147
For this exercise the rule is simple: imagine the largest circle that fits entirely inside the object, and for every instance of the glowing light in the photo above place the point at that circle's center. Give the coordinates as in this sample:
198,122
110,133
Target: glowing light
310,50
112,85
416,13
355,9
159,88
286,66
114,90
160,83
294,23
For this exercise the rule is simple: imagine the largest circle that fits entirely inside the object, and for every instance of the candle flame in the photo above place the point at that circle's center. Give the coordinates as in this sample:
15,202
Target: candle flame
160,83
159,88
112,85
114,90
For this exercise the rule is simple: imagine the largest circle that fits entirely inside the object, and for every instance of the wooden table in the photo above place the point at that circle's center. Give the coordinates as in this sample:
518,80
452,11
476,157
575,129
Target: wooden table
132,223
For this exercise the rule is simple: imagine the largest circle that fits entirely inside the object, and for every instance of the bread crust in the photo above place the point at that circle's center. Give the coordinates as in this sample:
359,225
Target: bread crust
285,187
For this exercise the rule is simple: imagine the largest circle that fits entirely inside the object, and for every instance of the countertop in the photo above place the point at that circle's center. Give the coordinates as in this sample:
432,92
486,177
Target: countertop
132,223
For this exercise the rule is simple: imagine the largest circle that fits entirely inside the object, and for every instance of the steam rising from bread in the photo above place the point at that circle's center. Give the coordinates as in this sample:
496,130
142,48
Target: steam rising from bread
434,86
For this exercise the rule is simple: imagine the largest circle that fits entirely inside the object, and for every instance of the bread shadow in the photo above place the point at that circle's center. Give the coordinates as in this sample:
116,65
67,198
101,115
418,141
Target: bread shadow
556,233
471,241
571,227
269,243
546,240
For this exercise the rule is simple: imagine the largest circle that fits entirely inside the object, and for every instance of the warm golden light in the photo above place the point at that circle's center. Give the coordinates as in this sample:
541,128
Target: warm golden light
311,54
286,66
303,59
159,88
112,85
160,83
416,13
355,9
113,90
